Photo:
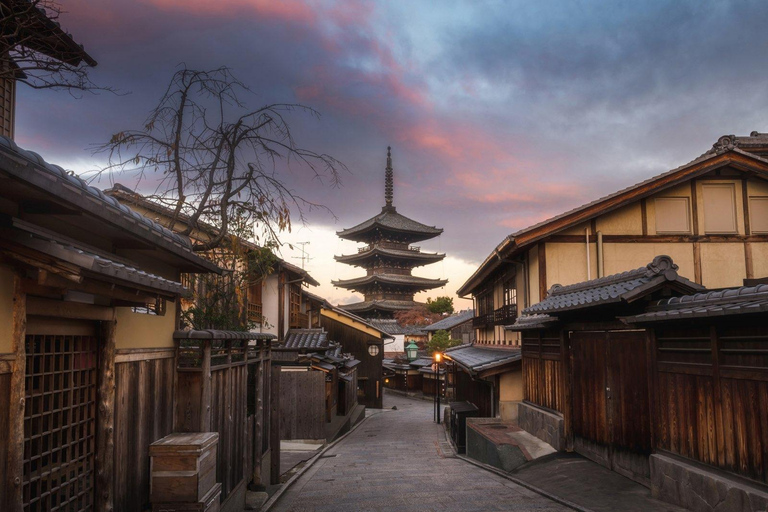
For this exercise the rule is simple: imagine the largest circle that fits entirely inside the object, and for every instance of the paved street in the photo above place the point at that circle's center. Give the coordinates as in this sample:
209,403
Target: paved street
394,462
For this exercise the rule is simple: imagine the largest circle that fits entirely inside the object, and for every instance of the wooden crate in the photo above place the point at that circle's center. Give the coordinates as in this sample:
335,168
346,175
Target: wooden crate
183,467
211,503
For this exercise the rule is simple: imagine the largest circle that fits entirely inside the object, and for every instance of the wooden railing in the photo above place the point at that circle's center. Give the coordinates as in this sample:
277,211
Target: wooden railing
254,312
505,315
481,321
299,321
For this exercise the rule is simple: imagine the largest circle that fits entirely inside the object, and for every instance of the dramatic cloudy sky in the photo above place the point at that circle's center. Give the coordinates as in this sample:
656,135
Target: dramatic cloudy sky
500,114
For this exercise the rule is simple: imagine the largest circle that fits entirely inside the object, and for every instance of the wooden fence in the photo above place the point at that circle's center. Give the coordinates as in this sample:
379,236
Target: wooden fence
711,396
302,404
144,386
213,397
543,370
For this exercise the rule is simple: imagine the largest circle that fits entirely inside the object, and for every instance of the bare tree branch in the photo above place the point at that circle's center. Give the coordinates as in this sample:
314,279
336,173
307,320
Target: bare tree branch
34,50
214,160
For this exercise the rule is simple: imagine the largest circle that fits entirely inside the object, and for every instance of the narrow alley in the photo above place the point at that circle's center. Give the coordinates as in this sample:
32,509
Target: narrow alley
394,461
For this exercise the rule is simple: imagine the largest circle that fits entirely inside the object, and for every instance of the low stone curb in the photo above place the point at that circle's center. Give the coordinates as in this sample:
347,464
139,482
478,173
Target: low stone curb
517,481
275,497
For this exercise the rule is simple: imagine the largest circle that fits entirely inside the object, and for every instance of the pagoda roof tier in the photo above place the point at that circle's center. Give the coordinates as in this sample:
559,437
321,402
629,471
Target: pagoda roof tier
366,254
389,221
369,306
398,280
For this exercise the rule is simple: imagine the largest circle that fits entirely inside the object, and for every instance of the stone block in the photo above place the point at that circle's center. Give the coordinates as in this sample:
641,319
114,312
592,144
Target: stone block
543,424
700,489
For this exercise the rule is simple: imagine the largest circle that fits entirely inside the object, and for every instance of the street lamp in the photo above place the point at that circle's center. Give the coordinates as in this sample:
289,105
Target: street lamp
438,357
410,351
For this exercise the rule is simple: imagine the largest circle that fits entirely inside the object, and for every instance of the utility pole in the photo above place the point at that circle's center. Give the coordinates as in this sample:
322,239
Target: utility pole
304,254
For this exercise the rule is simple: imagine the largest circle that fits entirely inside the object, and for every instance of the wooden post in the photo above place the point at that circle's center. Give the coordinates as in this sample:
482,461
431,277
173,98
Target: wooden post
15,460
258,420
274,427
105,447
205,385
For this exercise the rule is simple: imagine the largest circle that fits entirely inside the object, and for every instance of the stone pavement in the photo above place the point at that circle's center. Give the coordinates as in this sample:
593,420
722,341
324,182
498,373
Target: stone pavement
393,461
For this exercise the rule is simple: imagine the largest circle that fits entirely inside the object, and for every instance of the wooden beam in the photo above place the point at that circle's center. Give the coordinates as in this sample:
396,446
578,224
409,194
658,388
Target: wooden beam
694,208
258,421
745,206
542,272
205,385
697,277
644,215
274,427
61,309
15,459
105,420
748,263
656,239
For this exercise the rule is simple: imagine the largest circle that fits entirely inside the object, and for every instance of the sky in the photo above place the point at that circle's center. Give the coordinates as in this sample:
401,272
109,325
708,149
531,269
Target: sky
500,114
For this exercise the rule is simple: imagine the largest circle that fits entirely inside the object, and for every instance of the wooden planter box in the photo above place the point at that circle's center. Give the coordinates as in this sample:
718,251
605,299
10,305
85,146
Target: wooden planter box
183,470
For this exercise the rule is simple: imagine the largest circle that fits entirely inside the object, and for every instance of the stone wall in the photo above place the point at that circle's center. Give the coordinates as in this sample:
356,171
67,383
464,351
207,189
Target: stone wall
543,424
703,489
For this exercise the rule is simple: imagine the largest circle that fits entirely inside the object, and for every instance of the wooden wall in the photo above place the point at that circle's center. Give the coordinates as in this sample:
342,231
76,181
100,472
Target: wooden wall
477,392
5,395
228,418
711,396
302,405
356,343
143,414
543,369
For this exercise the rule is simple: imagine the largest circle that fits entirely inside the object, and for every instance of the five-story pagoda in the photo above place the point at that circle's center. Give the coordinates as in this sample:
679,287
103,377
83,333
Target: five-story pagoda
388,259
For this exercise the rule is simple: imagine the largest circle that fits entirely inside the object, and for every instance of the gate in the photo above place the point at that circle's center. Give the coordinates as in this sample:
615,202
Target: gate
611,413
60,418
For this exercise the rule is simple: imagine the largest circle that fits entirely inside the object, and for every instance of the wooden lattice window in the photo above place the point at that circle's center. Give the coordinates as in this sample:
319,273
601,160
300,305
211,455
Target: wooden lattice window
60,423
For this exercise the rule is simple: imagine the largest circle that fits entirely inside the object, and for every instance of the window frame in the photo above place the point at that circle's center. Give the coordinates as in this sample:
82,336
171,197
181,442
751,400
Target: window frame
688,220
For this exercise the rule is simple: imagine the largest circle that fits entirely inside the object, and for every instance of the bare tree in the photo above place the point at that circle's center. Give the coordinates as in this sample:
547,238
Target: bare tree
35,50
210,157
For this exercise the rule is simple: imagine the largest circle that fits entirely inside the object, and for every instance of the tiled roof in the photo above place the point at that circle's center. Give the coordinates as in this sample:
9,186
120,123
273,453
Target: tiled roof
32,169
390,220
213,334
611,289
451,321
384,305
526,322
392,326
733,301
398,279
426,257
306,338
98,264
477,359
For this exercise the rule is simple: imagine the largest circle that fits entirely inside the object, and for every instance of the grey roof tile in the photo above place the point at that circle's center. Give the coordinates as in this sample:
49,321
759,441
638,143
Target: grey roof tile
398,279
385,305
389,219
610,289
718,303
306,338
477,359
451,321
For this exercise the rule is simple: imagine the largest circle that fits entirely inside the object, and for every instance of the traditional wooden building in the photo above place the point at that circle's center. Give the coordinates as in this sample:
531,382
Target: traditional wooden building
459,326
388,259
318,386
26,22
662,387
359,337
271,304
710,215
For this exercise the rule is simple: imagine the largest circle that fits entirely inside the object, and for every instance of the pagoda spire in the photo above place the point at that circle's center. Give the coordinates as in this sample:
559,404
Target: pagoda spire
389,180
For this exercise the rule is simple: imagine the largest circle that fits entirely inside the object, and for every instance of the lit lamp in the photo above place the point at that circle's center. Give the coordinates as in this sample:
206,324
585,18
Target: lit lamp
410,351
438,357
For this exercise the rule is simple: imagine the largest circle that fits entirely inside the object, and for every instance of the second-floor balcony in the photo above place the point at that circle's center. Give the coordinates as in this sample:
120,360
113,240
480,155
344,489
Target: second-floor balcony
505,315
482,321
254,312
